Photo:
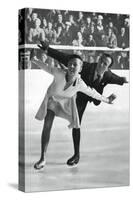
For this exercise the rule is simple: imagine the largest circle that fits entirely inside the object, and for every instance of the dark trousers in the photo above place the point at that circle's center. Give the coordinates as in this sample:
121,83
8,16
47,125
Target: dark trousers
81,105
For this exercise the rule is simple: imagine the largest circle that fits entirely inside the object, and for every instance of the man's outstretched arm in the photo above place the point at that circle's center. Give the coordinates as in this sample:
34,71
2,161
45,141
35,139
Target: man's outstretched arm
112,78
57,55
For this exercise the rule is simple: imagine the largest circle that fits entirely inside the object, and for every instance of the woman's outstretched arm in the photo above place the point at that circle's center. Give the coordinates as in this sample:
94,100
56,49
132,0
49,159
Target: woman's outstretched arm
94,94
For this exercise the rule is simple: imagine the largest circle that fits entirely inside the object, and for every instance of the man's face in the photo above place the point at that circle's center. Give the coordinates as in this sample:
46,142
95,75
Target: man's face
34,16
90,37
122,30
60,18
103,64
102,37
37,22
80,15
74,67
50,25
110,24
88,20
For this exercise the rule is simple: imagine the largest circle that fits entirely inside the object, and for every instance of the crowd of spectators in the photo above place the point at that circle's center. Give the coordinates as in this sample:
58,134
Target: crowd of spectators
73,28
121,58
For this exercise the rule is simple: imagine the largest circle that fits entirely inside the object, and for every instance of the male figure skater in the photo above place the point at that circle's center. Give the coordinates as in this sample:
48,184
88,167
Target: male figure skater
95,75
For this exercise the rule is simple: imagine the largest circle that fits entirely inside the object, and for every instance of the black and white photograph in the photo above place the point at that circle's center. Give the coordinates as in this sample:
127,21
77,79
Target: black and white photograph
74,130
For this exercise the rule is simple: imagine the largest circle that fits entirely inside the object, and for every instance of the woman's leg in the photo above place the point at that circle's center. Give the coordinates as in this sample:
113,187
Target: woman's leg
45,138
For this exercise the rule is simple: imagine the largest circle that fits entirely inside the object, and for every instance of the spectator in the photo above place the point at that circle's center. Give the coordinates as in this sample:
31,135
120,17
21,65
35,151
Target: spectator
114,29
36,34
79,40
99,18
92,32
88,22
84,33
52,16
66,15
80,20
94,18
59,35
72,21
111,39
123,60
122,39
54,38
67,34
126,25
74,27
30,18
99,27
91,42
34,16
59,22
44,25
88,25
50,33
102,42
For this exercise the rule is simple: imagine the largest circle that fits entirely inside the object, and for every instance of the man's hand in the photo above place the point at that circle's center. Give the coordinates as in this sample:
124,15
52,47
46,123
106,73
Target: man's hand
125,80
111,98
43,45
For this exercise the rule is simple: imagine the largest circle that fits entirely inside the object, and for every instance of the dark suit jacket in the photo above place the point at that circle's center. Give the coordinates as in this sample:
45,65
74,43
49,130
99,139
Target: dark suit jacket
87,74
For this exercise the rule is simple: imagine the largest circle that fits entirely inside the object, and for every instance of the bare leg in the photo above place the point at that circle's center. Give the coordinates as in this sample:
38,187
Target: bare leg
45,138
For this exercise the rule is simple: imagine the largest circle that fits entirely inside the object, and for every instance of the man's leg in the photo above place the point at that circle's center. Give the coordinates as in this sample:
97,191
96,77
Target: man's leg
45,138
76,137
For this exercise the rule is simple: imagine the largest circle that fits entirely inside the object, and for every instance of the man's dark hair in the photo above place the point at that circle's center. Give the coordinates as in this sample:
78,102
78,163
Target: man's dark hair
109,56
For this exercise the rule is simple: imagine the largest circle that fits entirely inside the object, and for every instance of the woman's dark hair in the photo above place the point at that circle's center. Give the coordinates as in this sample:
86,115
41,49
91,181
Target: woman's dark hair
72,56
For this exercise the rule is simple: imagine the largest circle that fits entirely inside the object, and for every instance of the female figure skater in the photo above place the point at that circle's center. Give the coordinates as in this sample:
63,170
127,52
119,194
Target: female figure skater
60,98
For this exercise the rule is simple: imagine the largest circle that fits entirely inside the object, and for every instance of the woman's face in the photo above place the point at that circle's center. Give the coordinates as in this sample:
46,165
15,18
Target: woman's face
74,67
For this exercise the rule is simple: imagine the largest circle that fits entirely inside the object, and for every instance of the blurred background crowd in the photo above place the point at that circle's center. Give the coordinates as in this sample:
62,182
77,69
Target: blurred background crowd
59,27
121,58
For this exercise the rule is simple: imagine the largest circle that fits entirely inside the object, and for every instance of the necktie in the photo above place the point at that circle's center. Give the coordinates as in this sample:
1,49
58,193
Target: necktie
98,78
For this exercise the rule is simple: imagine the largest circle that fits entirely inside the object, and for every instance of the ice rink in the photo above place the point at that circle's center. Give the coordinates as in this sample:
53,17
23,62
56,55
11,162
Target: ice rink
104,143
